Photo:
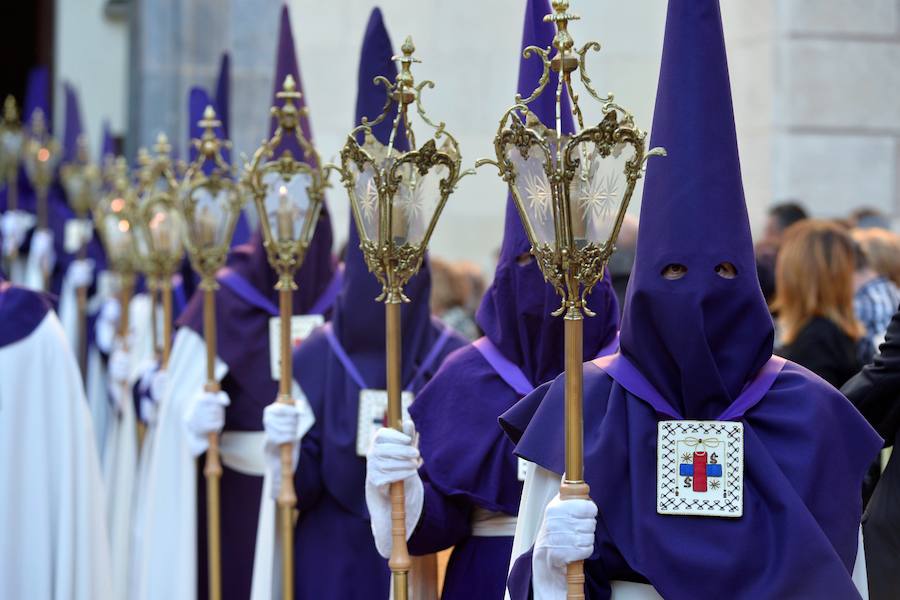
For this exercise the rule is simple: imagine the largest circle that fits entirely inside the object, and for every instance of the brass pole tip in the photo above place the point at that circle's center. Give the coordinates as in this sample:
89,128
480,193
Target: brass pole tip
209,120
288,89
162,144
38,123
408,48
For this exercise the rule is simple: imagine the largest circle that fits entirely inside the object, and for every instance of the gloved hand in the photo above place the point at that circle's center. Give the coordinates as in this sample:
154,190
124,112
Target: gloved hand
14,225
41,251
281,423
566,535
151,388
119,372
205,415
80,273
107,324
392,458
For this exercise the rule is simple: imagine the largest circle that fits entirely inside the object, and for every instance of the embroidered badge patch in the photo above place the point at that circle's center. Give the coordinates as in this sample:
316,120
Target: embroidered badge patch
372,412
700,468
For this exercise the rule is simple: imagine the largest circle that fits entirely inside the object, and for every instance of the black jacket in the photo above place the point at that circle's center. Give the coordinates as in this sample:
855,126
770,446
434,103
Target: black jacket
825,350
875,391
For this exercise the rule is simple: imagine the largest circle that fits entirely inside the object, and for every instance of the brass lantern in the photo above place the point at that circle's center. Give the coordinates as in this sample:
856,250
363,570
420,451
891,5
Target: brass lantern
114,217
158,230
572,192
41,155
210,205
81,181
11,146
288,192
397,197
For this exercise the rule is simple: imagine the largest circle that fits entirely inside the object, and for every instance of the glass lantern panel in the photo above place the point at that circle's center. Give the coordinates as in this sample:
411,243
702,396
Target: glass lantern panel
11,143
75,184
287,204
597,190
164,231
415,202
366,199
212,217
533,192
118,236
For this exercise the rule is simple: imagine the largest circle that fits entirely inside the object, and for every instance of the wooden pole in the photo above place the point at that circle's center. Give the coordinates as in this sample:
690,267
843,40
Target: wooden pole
287,497
399,561
42,225
165,290
573,485
212,470
81,298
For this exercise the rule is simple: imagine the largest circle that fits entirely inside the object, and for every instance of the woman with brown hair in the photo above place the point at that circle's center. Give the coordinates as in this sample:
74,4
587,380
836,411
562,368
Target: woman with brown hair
814,279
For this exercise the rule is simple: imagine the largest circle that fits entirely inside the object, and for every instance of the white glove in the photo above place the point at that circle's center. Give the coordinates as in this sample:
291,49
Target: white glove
42,252
281,423
392,458
107,324
566,535
152,387
119,371
14,225
80,273
205,415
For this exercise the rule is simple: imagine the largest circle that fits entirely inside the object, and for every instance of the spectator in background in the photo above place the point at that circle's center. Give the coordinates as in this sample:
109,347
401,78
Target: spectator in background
780,217
622,260
453,286
882,249
814,282
870,218
875,297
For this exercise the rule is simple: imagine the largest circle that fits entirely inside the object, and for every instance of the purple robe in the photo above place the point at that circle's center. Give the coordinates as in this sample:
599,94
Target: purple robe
335,551
468,462
242,320
690,347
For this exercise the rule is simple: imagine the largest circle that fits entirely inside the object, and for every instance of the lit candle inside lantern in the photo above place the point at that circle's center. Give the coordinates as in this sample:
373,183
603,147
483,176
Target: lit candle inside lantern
284,215
206,228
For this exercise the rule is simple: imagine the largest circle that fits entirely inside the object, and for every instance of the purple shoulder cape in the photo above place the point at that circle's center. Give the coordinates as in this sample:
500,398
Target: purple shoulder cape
806,449
21,311
333,394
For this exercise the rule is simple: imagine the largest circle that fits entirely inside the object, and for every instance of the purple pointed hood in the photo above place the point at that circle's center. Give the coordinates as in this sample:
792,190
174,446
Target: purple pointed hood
107,143
515,311
223,93
73,127
358,319
286,64
37,95
700,338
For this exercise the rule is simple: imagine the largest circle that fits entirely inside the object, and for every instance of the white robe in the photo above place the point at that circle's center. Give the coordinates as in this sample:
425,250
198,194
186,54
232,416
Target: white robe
164,563
120,451
55,543
541,486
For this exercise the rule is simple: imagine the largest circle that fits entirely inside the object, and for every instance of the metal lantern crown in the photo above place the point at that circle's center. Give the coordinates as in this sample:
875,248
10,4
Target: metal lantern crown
288,190
11,140
210,201
158,236
571,190
41,155
114,216
398,196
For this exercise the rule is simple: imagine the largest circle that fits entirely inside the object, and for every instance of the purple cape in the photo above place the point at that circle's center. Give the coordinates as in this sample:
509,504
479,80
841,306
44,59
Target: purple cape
468,462
331,477
693,344
21,311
